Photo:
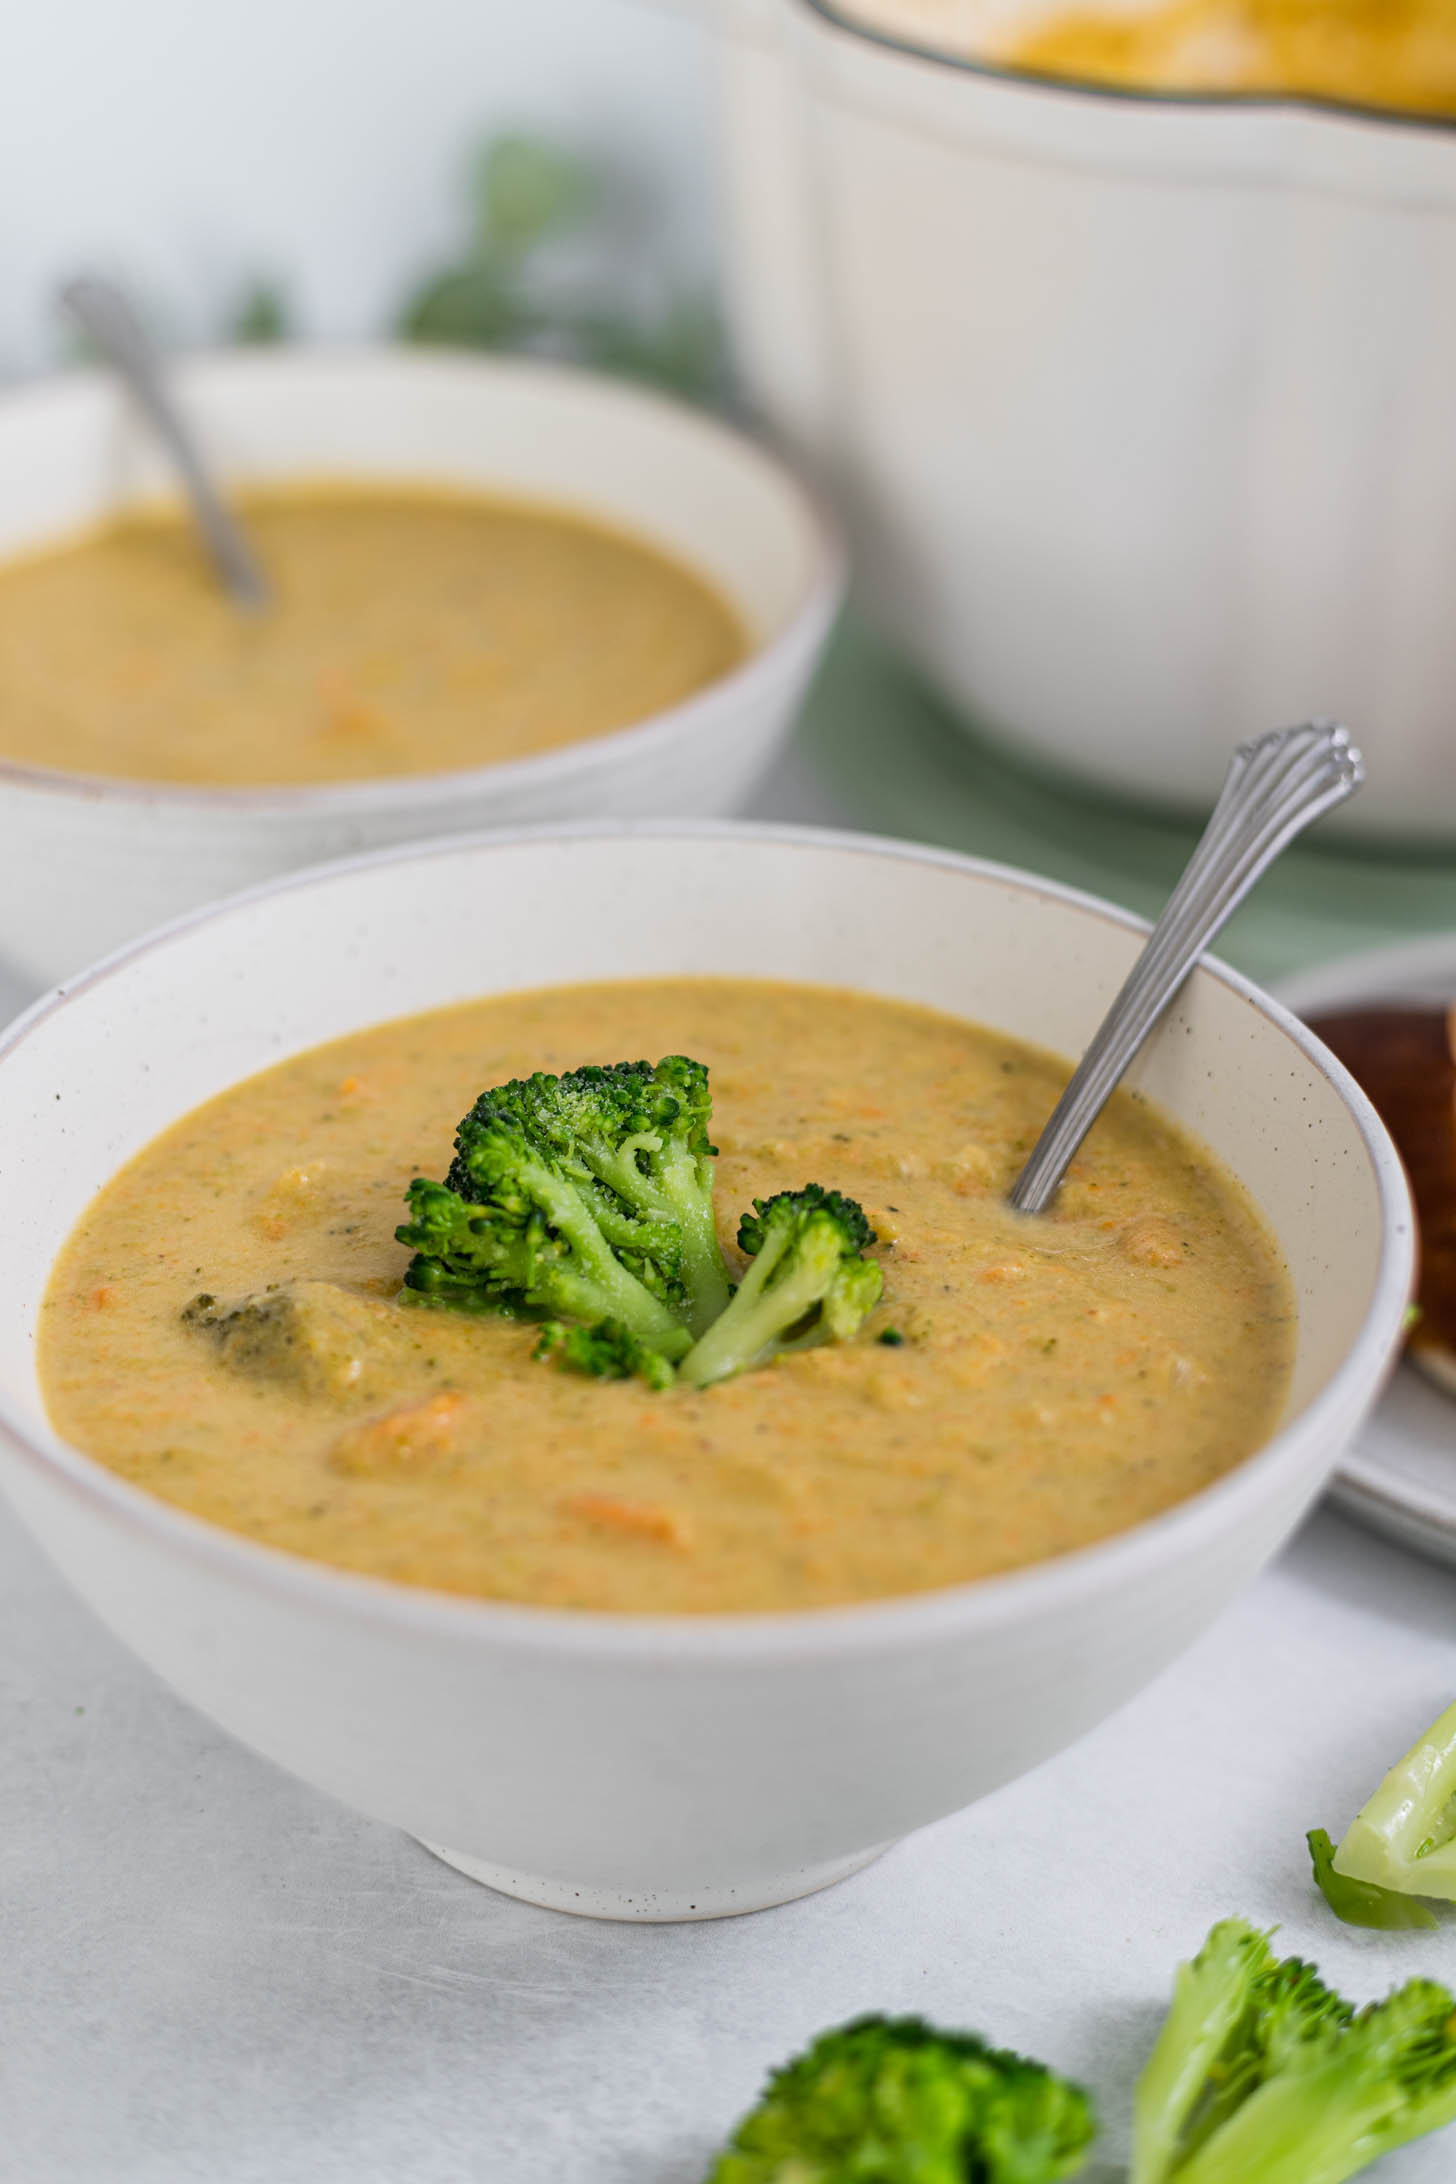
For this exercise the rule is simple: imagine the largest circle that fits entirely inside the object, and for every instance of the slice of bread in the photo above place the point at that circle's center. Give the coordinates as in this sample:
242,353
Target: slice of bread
1405,1059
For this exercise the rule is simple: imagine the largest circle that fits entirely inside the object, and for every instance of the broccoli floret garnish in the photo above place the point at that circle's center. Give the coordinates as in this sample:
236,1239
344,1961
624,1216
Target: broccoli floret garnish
609,1351
807,1283
528,1240
1262,2075
588,1196
1404,1839
634,1141
1362,1903
893,2101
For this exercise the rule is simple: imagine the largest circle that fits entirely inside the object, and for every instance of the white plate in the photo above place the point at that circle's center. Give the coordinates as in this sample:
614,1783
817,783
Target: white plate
1400,1476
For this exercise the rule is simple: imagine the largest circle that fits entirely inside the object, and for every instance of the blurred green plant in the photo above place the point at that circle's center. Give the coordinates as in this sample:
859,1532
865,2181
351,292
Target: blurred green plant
260,314
526,191
527,196
556,262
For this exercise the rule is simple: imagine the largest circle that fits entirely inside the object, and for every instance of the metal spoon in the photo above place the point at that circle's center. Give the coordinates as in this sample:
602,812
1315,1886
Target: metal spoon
1277,785
109,319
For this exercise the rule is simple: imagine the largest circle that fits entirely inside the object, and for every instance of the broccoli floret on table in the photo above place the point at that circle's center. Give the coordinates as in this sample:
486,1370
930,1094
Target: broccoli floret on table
1363,1903
808,1282
894,2101
1262,2075
1403,1840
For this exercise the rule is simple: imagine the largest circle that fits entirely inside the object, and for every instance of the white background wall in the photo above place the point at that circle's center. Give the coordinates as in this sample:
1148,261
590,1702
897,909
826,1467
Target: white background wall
191,144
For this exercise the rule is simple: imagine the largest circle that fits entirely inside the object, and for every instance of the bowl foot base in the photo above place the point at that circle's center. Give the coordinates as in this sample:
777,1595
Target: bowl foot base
661,1907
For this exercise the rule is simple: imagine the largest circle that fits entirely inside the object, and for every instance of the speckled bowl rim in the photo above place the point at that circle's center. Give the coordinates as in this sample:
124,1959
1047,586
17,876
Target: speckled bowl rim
903,1622
804,629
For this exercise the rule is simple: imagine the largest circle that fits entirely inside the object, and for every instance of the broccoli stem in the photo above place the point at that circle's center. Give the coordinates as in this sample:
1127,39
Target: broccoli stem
604,1288
691,1205
1314,2125
1262,2074
1404,1838
676,1192
748,1326
1210,1996
1363,1903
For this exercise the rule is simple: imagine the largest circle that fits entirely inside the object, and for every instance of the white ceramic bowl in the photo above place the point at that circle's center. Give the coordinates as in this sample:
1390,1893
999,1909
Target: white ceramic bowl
85,863
671,1767
1139,408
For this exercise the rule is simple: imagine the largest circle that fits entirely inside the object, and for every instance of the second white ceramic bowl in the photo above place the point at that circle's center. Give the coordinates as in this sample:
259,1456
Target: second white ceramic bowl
87,863
1139,407
672,1767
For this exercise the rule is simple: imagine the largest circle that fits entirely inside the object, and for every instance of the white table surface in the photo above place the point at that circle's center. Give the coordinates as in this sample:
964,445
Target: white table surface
212,1975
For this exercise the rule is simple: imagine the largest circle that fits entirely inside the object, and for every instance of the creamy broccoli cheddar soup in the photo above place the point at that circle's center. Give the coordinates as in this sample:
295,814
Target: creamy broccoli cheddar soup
409,632
1054,1379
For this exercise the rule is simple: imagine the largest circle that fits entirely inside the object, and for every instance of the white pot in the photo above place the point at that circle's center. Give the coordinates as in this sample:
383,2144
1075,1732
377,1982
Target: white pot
1142,410
85,863
687,1766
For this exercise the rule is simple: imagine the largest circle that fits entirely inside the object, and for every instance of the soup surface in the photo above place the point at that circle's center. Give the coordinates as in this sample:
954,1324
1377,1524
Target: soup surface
1058,1379
410,632
1395,53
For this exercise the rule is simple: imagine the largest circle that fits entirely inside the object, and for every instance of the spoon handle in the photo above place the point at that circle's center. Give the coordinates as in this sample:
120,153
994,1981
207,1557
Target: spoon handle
108,318
1277,785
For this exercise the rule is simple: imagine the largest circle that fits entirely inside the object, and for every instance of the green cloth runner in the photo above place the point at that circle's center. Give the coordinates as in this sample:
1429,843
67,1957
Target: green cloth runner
894,756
